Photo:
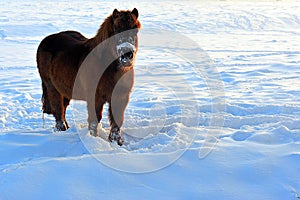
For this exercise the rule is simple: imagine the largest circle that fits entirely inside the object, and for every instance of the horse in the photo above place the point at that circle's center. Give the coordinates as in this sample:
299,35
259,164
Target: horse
60,60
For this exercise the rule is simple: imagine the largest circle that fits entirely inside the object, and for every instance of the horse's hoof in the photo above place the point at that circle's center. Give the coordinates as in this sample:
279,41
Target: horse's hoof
93,129
93,133
61,126
120,141
115,135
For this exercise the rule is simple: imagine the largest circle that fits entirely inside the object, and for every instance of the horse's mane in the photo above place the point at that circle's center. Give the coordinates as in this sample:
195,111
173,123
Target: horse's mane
104,32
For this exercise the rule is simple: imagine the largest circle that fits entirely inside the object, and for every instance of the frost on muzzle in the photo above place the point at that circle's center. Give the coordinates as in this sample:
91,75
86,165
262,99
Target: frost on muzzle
126,47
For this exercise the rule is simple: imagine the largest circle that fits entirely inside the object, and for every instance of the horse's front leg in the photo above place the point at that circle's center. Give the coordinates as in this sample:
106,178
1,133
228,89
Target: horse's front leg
94,117
117,108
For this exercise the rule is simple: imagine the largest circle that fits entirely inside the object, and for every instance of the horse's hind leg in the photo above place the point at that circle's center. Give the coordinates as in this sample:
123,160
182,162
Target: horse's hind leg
58,107
65,105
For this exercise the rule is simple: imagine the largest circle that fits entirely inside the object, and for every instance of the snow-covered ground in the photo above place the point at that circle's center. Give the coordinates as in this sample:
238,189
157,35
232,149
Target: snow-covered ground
214,114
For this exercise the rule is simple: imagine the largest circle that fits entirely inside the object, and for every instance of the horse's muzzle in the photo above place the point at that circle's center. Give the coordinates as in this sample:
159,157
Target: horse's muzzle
126,53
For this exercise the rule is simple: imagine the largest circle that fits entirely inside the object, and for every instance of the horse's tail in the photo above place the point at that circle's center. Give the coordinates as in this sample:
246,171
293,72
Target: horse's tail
46,104
42,60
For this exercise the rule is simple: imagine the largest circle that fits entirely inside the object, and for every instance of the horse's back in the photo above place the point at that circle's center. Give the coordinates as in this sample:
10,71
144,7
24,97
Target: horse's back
74,34
62,41
66,49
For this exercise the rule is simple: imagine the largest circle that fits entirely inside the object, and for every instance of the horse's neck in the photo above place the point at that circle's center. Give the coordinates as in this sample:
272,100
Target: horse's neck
93,43
104,33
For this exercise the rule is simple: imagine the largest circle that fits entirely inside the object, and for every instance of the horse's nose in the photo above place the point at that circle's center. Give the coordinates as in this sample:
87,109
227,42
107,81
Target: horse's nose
128,55
126,52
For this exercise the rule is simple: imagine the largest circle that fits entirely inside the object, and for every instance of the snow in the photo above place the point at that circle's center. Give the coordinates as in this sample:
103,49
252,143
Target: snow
214,113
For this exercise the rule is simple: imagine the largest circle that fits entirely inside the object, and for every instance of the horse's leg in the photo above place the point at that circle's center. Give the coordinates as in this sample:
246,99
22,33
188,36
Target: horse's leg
57,107
116,110
94,116
65,105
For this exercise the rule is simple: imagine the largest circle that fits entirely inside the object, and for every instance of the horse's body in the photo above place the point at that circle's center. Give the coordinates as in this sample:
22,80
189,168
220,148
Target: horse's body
60,57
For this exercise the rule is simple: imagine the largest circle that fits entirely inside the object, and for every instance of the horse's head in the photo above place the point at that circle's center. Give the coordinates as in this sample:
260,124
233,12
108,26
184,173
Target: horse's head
126,27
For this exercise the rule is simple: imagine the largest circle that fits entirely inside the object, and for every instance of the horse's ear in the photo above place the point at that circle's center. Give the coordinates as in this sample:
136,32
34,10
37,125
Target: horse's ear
135,12
116,13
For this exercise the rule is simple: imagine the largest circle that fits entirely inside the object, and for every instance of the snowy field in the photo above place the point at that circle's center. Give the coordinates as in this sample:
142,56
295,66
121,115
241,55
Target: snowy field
214,113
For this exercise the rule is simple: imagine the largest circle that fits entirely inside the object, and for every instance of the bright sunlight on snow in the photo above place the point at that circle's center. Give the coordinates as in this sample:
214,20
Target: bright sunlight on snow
224,124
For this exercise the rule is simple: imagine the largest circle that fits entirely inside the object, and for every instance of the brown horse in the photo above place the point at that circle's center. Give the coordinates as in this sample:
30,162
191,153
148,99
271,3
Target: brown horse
62,60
